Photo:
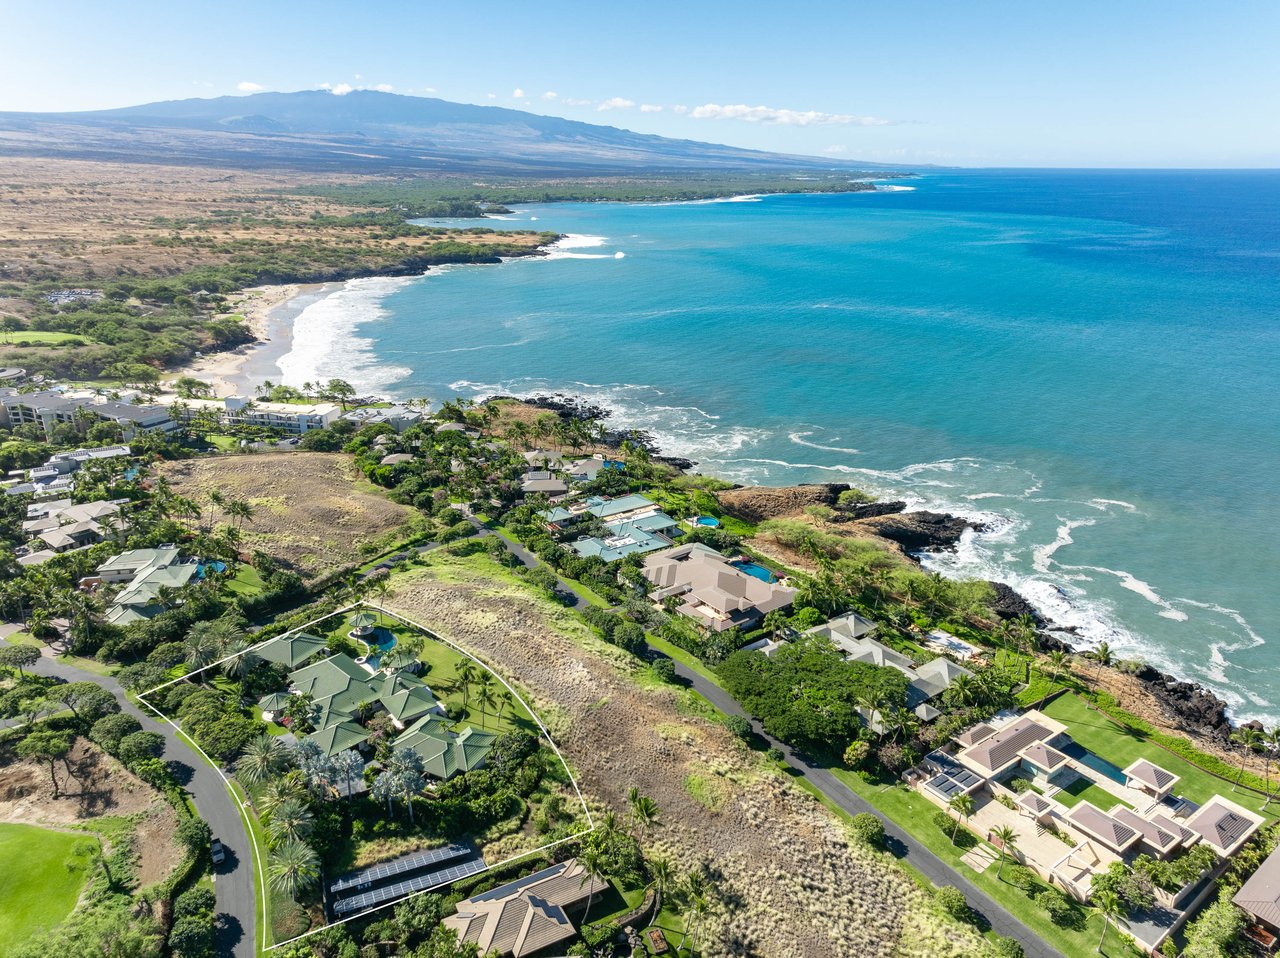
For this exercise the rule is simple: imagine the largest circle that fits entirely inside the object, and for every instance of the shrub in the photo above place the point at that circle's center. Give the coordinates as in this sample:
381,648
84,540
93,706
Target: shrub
194,901
107,732
140,746
664,669
868,829
194,835
953,903
192,936
855,753
1019,785
1060,911
1022,877
775,754
1007,947
629,637
738,725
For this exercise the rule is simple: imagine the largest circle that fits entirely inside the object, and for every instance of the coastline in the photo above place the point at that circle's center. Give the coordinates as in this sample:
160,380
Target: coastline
268,311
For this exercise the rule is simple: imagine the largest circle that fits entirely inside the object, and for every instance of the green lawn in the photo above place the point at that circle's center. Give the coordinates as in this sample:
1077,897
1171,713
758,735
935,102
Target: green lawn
1121,745
1083,790
245,582
41,875
34,337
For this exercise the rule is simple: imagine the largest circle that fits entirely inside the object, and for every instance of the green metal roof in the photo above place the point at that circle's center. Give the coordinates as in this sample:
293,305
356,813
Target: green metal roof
291,650
338,738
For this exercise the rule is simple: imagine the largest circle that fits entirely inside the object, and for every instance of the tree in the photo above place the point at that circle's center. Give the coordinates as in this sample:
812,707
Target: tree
19,657
262,759
194,835
46,746
467,673
644,810
107,732
294,868
340,390
290,822
962,805
869,829
1104,657
1249,740
88,701
383,789
140,746
1271,742
348,765
1107,904
485,698
1007,839
192,936
592,858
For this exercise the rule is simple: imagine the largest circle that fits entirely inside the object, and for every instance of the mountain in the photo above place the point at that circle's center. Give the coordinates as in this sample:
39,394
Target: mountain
368,131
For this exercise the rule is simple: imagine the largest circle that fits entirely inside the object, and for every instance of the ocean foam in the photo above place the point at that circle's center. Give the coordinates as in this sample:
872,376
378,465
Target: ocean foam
799,440
325,344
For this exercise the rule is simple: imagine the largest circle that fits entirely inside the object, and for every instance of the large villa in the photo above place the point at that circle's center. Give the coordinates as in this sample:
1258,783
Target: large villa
716,592
633,524
1075,813
344,693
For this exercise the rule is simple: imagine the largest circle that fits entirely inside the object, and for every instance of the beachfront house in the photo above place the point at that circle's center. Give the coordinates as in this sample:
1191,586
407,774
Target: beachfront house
150,577
1259,897
851,634
1075,814
713,591
632,524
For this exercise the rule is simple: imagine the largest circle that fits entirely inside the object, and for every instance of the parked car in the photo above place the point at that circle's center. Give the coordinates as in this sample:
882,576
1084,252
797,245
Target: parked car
219,853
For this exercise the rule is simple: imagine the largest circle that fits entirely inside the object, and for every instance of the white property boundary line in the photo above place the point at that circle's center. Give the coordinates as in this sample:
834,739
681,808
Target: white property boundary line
244,810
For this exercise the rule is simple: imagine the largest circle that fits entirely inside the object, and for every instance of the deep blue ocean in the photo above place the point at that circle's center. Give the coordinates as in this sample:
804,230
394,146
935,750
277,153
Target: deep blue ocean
1089,362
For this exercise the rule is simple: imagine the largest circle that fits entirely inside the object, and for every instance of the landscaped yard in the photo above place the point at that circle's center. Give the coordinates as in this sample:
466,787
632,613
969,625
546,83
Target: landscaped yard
41,875
35,337
1121,745
1083,790
246,581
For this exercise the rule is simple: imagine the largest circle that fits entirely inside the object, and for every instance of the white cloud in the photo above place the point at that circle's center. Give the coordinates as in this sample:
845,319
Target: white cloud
779,117
571,101
650,108
248,86
680,108
835,149
492,96
342,89
551,95
384,87
616,103
517,94
428,89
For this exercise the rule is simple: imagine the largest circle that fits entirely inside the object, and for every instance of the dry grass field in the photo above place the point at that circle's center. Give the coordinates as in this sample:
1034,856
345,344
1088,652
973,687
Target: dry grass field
312,510
792,885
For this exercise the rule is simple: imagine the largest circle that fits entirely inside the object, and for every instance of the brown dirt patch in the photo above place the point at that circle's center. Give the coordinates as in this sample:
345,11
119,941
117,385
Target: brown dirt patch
758,503
312,510
800,888
96,786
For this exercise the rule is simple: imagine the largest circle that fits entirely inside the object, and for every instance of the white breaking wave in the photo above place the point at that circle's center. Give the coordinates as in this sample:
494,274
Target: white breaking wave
326,344
798,439
892,188
564,248
743,198
1043,555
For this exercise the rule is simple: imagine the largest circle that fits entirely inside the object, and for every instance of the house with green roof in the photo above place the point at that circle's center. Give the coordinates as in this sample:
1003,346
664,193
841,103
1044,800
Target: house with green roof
443,751
290,650
339,737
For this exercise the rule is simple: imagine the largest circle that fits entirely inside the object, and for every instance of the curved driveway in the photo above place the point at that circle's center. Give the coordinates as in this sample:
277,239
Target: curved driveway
234,885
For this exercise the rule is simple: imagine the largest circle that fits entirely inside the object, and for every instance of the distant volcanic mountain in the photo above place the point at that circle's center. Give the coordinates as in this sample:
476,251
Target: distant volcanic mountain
367,131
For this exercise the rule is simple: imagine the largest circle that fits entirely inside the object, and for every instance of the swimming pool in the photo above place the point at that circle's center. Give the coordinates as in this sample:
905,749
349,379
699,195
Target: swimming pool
1099,765
756,571
710,521
215,566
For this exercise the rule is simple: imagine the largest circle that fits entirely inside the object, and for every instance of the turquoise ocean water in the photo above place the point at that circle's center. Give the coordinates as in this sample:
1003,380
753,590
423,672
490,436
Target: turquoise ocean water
1088,362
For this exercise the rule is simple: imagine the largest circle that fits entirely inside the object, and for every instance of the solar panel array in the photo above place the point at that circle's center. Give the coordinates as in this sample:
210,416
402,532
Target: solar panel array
380,896
399,866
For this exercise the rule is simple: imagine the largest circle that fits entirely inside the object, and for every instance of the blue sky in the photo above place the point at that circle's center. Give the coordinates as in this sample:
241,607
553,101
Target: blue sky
1130,83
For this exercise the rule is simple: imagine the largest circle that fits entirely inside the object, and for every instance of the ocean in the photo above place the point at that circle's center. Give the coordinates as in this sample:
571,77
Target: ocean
1087,362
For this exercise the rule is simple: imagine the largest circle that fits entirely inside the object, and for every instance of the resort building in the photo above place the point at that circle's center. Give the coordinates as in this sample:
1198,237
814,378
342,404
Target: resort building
61,526
48,409
850,634
1075,814
543,482
55,476
587,470
529,915
633,524
715,591
287,417
398,417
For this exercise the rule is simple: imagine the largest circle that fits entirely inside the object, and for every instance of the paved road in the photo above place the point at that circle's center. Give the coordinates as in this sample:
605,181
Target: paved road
234,886
906,846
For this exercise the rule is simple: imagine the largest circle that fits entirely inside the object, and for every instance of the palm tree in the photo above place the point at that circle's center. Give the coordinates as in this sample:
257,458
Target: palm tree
262,759
1271,741
1008,840
505,701
1107,904
287,787
1249,740
383,788
218,500
290,821
407,776
693,889
1104,657
467,674
294,868
592,858
485,698
240,511
962,805
661,872
349,765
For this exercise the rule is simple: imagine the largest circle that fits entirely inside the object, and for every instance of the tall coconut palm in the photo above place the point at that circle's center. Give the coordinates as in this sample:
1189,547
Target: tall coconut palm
1271,742
592,857
644,812
1103,656
467,673
218,501
262,759
1107,904
1249,740
693,890
661,874
1008,841
962,805
505,701
485,697
294,868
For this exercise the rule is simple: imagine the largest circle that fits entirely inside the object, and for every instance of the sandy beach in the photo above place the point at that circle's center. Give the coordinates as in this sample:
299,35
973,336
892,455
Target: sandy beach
269,312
